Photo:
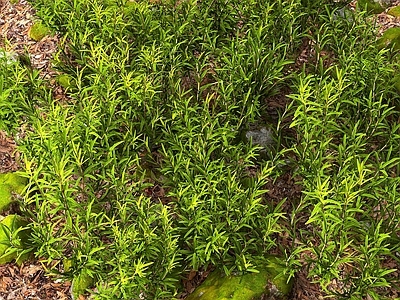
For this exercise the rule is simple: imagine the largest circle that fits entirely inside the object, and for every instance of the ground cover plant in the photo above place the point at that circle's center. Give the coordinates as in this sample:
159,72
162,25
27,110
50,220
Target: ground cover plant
143,174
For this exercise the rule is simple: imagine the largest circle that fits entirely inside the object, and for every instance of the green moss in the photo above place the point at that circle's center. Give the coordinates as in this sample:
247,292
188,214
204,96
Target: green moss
8,226
268,282
394,11
9,183
371,6
5,197
65,80
275,268
81,283
132,6
67,264
38,31
390,38
396,83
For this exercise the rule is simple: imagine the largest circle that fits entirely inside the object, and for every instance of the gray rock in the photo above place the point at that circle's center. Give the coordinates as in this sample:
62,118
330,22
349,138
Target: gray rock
261,137
8,58
343,13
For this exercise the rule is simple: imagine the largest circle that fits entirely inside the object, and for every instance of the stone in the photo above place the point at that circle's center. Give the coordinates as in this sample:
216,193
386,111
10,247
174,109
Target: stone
372,6
81,283
67,263
263,137
344,13
65,80
10,183
8,226
394,11
38,31
270,283
389,39
397,83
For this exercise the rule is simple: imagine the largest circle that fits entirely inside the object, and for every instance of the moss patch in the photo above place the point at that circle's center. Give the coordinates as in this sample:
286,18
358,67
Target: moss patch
8,226
81,283
371,6
394,11
38,31
268,282
396,83
67,263
65,80
390,38
9,183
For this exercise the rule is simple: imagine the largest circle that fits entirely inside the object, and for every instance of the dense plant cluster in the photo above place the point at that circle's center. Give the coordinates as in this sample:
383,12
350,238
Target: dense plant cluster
159,95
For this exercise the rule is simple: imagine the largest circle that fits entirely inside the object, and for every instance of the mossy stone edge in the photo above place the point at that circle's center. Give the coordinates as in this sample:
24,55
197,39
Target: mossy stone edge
10,183
38,31
269,282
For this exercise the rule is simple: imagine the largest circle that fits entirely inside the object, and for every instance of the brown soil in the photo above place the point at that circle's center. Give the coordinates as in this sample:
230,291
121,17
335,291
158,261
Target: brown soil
29,281
7,154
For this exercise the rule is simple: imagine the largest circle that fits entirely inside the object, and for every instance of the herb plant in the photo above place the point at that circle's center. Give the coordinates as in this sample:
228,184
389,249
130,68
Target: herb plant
141,175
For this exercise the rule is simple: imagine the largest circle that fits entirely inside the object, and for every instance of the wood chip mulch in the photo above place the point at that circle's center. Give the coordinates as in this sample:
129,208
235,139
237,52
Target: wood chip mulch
386,21
15,22
28,281
7,154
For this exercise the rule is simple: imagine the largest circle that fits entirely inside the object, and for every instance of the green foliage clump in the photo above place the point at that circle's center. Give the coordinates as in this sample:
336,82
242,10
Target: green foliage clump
141,175
156,102
13,239
347,159
15,91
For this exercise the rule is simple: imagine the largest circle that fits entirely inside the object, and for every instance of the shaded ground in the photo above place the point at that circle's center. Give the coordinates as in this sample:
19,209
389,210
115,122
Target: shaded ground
7,155
29,281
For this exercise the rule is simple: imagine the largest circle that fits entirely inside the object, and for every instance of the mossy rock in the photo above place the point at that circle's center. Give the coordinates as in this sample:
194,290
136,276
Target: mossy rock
67,263
8,226
38,31
371,6
389,39
396,83
81,283
9,183
394,11
269,283
65,81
